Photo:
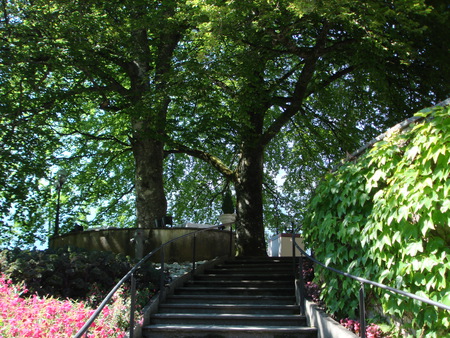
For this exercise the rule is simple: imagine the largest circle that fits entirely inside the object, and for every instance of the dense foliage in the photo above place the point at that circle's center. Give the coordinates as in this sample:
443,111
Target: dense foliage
75,274
151,103
385,216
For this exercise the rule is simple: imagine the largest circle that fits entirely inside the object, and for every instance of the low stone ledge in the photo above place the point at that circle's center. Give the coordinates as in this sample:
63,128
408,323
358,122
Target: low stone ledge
326,326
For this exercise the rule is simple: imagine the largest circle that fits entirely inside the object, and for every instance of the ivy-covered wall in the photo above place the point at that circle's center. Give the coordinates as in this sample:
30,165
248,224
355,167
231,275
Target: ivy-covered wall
385,217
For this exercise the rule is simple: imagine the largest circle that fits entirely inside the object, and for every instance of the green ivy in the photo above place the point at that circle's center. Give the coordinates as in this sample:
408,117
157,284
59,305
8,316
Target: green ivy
385,217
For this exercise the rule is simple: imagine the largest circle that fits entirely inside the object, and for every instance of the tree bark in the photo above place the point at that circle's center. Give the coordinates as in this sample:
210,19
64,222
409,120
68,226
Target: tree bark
151,201
149,121
249,185
249,195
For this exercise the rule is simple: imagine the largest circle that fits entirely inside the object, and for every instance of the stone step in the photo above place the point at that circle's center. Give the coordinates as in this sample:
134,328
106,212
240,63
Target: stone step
231,299
251,283
255,259
237,261
230,308
244,276
229,331
235,290
237,265
228,319
263,270
245,297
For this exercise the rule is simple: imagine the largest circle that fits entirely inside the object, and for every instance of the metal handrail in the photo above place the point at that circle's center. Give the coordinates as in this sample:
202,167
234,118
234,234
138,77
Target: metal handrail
361,291
130,275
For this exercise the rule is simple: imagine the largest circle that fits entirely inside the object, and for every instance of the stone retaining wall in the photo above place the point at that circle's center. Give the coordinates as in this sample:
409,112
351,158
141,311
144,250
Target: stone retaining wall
209,244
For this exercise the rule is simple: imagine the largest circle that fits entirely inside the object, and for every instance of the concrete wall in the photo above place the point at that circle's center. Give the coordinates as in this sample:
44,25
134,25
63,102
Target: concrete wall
280,245
326,326
209,244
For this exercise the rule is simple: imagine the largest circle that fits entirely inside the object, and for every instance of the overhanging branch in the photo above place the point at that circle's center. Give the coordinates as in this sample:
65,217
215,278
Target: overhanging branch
221,167
100,137
336,76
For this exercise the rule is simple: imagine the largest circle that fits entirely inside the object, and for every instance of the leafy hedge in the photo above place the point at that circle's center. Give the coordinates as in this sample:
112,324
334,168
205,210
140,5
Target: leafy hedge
386,217
71,273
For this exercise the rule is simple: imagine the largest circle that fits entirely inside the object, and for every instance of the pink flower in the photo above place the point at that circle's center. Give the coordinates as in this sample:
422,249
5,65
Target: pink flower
38,317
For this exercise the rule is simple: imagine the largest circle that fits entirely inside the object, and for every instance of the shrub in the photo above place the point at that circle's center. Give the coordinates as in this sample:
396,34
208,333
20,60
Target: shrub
72,273
385,217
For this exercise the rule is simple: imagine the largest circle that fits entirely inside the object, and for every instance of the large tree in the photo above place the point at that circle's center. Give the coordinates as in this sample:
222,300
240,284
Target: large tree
312,70
97,76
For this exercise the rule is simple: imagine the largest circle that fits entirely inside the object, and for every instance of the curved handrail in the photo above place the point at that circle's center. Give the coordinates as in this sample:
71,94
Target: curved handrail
382,286
130,274
363,281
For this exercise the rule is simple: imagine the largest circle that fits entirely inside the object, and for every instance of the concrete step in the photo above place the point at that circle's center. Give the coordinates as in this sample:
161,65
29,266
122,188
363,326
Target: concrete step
229,331
245,297
261,265
229,309
244,276
250,283
251,271
228,319
235,290
253,259
240,262
231,299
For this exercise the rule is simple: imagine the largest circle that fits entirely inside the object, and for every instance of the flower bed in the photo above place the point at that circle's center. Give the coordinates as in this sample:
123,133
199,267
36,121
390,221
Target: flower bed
38,317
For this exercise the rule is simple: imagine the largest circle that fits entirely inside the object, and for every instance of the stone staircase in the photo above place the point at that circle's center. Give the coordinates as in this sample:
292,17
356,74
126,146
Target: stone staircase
245,297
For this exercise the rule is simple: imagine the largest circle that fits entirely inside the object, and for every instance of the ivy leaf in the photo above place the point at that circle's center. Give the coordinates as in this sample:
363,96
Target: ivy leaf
445,206
402,213
424,112
413,248
412,153
377,176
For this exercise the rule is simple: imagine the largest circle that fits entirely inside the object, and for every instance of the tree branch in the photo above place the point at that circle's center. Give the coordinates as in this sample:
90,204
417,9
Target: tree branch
103,137
206,157
295,103
301,89
336,76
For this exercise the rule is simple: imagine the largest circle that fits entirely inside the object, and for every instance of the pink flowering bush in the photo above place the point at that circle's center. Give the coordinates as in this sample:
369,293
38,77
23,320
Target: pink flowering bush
372,331
350,324
313,292
39,317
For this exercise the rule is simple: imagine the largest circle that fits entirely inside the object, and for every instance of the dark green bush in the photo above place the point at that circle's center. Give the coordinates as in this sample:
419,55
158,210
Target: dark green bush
227,203
386,217
71,273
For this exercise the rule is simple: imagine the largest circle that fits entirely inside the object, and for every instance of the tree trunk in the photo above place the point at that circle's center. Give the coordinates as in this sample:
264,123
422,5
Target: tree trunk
149,129
151,201
249,194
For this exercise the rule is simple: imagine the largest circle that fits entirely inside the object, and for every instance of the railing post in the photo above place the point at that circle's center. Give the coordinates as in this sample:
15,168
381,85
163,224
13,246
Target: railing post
301,287
162,277
133,304
194,247
231,240
362,312
293,251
